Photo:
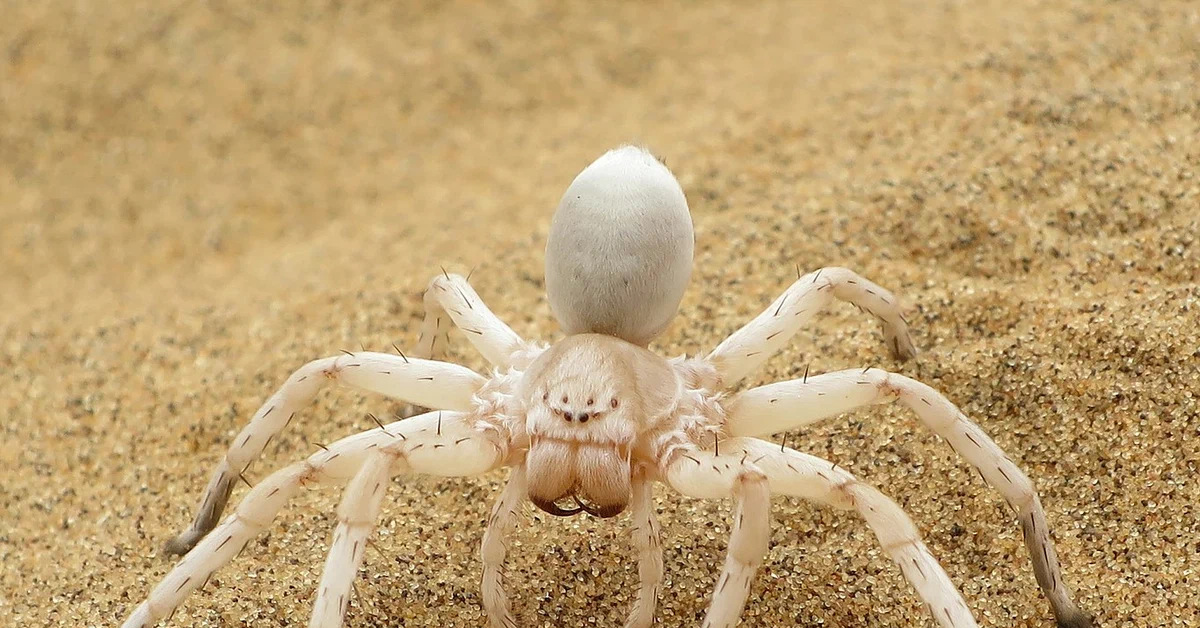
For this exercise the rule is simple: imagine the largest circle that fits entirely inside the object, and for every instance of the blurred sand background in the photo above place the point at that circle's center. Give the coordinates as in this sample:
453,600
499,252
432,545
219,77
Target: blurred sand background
197,198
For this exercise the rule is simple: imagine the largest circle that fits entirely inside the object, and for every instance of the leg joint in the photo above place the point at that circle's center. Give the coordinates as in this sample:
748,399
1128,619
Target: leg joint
751,477
889,390
250,522
310,473
913,542
842,494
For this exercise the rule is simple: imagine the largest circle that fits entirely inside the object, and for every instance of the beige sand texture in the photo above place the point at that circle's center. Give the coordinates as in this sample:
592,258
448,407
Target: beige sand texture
197,198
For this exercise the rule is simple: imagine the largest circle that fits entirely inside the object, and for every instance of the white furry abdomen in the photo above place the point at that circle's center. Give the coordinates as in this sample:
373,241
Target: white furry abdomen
619,254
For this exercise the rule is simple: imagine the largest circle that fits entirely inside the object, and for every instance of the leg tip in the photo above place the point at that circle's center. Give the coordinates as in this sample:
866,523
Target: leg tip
181,544
1076,619
901,344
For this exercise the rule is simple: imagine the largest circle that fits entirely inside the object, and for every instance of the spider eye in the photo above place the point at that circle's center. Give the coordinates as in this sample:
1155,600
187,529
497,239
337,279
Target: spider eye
565,399
591,401
545,396
613,403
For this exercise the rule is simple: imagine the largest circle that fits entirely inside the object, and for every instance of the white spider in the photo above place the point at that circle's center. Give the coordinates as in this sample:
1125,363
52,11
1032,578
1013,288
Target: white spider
589,423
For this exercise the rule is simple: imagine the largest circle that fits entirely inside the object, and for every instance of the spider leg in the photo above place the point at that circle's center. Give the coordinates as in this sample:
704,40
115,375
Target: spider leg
494,549
647,541
787,405
438,385
749,347
357,514
436,443
708,475
450,300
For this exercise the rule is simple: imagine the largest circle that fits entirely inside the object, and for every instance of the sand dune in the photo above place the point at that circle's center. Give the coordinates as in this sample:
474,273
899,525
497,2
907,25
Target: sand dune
196,200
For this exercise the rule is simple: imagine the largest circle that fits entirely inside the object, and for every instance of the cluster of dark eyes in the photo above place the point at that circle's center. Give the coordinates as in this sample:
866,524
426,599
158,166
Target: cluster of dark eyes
582,417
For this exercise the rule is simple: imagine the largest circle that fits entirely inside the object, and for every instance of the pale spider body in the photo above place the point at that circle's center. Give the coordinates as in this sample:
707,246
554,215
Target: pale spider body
588,424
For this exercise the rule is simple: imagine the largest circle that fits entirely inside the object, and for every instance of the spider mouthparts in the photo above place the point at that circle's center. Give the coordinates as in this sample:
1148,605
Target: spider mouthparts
604,512
553,508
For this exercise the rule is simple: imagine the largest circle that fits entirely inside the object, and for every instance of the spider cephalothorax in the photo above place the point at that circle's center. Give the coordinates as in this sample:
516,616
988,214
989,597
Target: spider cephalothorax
589,423
591,401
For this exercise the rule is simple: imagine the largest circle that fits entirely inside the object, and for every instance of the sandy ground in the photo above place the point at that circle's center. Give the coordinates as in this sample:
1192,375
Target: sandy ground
196,200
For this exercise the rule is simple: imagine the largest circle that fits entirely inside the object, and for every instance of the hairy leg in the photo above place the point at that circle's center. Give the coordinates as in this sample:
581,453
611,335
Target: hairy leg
429,383
436,443
450,300
495,549
648,543
789,472
357,514
749,347
787,405
697,473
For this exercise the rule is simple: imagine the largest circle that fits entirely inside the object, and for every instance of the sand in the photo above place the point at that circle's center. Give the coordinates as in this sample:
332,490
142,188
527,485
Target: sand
196,200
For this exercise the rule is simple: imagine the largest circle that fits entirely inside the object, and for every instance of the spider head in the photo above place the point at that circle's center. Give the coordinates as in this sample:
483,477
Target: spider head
584,402
587,399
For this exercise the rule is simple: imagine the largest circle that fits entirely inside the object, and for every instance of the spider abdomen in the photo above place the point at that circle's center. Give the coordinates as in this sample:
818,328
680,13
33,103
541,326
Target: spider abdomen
619,254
